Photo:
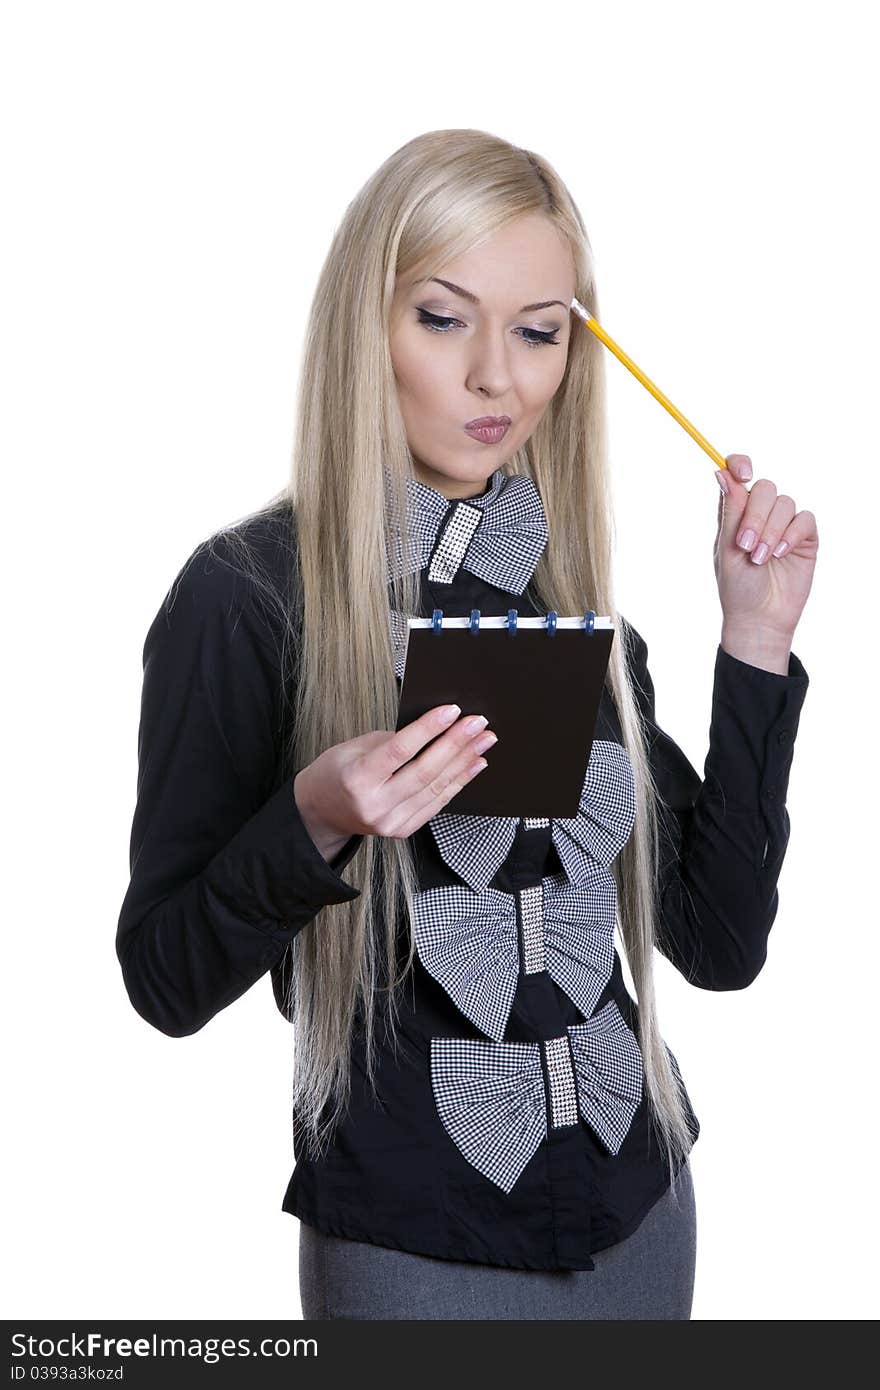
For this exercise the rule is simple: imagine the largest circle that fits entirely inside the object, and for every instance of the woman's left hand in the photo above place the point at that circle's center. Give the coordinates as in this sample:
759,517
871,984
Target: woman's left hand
761,592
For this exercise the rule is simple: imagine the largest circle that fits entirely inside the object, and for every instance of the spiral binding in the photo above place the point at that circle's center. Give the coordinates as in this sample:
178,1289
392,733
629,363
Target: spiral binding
512,616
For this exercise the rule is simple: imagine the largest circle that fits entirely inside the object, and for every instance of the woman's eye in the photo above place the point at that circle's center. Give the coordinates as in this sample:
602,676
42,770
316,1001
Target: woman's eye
437,323
434,321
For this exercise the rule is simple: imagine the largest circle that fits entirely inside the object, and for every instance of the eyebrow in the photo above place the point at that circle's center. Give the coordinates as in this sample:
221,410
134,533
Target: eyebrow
466,294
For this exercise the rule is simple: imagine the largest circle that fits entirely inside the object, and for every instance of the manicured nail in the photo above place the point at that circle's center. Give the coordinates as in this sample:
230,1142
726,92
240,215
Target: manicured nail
747,540
475,723
761,553
723,482
449,712
745,471
487,741
781,549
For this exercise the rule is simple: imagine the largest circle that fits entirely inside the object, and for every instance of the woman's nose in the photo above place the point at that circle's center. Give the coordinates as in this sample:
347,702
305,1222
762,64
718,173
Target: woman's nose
489,368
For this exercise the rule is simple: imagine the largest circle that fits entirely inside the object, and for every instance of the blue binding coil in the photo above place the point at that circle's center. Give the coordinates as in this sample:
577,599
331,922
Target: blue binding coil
512,618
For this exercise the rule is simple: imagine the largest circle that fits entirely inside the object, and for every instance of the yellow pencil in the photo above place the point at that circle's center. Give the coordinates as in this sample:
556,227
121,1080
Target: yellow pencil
609,342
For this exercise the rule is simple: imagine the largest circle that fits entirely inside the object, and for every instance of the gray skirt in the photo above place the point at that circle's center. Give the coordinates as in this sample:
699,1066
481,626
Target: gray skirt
646,1277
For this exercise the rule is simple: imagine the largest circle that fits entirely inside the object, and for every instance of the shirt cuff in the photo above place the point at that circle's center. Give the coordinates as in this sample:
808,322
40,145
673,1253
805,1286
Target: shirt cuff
274,871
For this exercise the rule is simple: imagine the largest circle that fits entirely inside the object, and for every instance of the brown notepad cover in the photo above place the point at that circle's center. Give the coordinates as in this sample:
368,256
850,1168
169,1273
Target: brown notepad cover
541,694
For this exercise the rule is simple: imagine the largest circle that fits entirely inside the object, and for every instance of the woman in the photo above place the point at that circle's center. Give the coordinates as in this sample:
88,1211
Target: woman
487,1124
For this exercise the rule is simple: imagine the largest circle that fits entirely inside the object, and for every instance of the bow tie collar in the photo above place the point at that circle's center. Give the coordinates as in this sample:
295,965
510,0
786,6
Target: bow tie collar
498,536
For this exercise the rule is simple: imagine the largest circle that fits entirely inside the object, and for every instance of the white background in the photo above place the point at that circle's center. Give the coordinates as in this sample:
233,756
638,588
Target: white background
173,174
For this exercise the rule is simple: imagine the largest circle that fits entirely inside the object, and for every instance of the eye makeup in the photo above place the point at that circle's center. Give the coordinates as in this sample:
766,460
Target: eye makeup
440,323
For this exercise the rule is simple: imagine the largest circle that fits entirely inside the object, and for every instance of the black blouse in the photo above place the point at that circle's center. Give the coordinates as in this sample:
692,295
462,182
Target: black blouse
511,1126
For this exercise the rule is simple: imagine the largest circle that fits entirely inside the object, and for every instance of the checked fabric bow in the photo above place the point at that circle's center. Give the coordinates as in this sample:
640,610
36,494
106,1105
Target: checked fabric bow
498,536
475,847
493,1100
468,942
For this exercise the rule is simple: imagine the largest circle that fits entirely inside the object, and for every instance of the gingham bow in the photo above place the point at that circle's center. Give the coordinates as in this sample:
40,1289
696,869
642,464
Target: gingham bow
475,847
498,536
492,1099
468,942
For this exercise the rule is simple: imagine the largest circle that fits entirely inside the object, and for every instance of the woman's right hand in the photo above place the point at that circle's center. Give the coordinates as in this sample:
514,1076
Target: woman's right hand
381,784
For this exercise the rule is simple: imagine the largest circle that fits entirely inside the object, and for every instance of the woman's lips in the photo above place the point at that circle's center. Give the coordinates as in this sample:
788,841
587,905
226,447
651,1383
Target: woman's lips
487,433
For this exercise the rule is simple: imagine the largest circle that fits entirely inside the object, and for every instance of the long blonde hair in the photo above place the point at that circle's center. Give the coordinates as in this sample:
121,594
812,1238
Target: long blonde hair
435,198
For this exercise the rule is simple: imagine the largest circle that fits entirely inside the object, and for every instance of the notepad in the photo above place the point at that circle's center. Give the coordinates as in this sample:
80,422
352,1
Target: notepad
538,681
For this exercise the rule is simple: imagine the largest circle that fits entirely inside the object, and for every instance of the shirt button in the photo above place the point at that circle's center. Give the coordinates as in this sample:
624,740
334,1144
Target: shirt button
783,736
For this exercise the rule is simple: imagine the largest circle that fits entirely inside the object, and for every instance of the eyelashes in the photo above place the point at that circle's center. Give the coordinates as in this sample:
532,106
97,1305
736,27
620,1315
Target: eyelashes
434,323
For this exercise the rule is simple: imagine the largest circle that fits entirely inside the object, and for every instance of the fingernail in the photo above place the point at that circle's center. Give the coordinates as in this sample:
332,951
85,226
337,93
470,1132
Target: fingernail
760,554
449,712
781,549
745,471
747,540
723,482
475,724
485,742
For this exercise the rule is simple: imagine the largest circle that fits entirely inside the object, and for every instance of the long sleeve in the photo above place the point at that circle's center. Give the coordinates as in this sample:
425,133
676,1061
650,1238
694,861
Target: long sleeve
223,871
723,838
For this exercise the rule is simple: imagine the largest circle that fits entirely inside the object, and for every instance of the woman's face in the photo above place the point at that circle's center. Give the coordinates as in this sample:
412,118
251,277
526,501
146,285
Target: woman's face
460,357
